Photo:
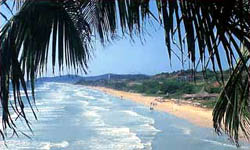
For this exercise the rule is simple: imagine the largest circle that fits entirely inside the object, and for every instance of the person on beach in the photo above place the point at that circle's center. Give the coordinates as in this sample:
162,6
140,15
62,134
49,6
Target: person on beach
151,106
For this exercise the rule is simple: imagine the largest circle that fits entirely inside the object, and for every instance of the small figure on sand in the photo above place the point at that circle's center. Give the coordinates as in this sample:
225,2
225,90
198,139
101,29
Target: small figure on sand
152,104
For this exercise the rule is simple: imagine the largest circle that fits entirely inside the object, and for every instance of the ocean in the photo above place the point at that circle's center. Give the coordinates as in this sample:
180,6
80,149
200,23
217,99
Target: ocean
74,117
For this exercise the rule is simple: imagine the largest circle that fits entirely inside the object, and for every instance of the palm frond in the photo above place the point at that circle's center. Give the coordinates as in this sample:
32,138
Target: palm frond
232,112
192,24
24,49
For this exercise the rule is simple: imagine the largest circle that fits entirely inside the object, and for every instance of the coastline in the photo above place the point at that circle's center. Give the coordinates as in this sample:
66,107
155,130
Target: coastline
194,114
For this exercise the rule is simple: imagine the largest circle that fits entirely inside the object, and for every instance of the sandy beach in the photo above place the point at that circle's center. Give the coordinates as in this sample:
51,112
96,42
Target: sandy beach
197,115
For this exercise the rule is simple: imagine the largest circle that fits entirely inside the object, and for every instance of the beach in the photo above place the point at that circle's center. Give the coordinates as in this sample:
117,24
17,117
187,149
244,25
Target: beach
194,114
75,117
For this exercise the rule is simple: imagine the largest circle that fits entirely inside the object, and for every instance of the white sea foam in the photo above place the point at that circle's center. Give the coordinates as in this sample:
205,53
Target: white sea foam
91,114
140,117
89,97
44,87
45,146
62,144
119,137
105,100
49,145
107,144
122,138
132,113
22,94
27,145
48,109
14,144
147,122
185,131
84,94
149,128
85,103
58,95
115,131
218,143
95,118
99,108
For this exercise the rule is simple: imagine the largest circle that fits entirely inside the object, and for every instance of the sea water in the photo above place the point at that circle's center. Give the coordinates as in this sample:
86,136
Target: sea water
74,117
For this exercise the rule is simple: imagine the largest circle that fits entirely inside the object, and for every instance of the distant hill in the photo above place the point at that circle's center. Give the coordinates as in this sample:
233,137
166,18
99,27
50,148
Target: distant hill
62,79
116,77
76,78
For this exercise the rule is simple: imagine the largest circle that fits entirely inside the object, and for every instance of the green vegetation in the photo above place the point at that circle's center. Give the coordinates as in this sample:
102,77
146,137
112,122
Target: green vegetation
165,87
168,85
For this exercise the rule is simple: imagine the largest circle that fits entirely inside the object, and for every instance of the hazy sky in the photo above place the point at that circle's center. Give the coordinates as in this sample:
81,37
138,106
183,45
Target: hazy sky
126,57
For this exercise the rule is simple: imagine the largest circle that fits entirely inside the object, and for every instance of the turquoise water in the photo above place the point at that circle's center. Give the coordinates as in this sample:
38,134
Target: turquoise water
73,117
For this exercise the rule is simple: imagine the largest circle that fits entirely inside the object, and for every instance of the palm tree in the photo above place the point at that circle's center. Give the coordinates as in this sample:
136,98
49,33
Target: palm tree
71,26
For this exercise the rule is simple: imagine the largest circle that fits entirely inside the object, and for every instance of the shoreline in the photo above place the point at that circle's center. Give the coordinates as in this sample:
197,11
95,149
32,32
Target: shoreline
194,114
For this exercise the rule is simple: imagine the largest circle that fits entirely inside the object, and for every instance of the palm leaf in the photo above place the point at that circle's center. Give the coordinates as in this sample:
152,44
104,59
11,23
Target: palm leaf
24,49
231,112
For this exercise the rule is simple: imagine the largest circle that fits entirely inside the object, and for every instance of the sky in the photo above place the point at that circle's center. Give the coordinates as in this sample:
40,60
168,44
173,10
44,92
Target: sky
126,57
